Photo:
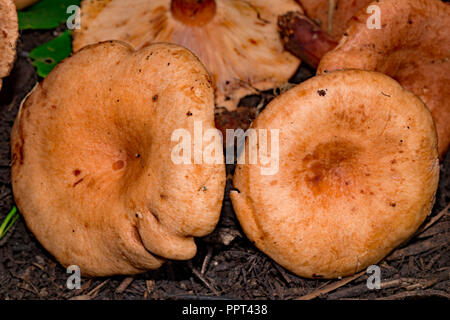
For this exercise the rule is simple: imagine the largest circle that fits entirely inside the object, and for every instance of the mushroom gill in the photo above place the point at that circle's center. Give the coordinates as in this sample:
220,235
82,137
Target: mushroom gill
236,40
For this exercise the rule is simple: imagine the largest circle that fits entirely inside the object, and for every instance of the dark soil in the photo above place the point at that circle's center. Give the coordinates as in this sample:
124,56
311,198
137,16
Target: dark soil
227,265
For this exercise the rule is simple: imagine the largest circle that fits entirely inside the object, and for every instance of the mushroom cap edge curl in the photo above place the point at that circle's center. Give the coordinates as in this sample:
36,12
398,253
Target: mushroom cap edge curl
357,176
91,165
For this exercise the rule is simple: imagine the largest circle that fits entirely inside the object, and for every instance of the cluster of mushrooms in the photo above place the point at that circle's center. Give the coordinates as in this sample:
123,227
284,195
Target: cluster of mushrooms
358,157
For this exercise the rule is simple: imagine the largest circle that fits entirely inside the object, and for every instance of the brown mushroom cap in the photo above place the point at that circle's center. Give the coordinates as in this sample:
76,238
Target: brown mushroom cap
412,47
358,171
237,41
341,13
91,159
9,32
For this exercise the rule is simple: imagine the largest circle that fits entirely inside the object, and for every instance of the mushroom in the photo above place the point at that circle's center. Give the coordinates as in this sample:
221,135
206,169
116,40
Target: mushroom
333,15
92,171
22,4
358,172
9,32
418,60
237,40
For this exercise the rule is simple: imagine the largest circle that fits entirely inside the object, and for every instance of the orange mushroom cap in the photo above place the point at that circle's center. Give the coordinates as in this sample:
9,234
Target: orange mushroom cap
9,32
92,171
358,172
237,40
413,47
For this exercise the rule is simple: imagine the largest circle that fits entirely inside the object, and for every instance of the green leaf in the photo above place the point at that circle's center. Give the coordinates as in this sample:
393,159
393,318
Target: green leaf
46,14
47,56
9,221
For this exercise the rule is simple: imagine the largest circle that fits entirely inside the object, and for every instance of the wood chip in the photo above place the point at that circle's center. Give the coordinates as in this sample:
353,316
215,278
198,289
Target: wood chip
124,285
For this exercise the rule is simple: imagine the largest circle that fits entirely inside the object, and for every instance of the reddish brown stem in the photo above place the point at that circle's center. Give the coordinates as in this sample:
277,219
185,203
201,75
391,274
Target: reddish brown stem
303,38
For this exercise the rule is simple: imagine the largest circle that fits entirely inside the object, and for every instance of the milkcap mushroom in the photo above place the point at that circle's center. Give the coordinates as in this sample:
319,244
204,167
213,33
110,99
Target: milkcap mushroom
237,41
92,171
9,32
358,171
417,59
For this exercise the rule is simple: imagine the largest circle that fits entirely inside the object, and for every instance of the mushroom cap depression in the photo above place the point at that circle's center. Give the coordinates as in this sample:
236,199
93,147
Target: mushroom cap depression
9,32
358,171
92,171
342,12
413,47
236,40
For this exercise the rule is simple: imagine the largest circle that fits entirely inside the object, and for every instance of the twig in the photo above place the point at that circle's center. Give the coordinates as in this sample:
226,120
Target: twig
282,272
205,282
331,287
206,261
331,8
425,293
124,285
434,219
94,291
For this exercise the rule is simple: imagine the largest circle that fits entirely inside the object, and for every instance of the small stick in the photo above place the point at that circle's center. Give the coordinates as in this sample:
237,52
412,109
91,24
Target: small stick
331,8
435,219
94,291
331,287
206,261
205,282
124,285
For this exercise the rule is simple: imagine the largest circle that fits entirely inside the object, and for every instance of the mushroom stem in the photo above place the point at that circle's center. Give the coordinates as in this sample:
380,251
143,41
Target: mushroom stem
303,38
193,12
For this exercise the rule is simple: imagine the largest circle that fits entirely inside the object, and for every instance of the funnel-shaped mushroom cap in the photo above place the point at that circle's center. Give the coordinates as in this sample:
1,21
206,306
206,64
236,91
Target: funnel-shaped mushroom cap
339,11
358,171
9,32
237,40
92,171
413,47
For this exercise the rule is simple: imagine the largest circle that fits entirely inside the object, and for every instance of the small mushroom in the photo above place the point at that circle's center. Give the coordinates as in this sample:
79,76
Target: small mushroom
237,40
22,4
333,15
417,59
358,172
9,32
92,171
